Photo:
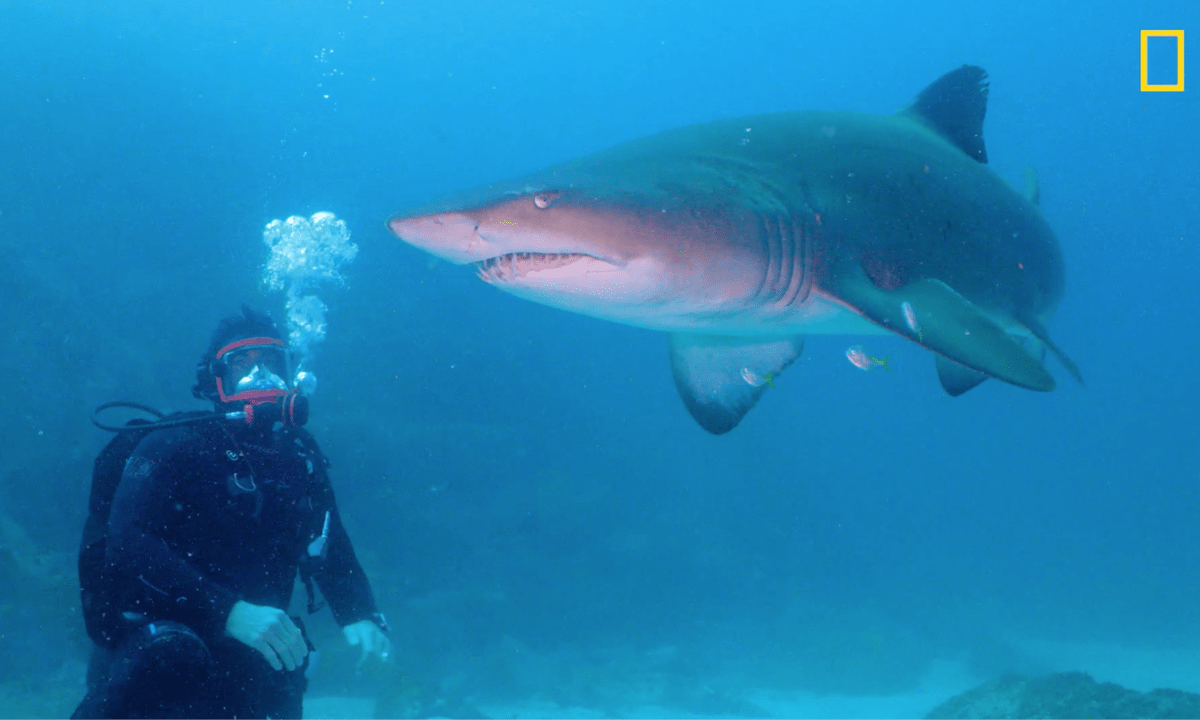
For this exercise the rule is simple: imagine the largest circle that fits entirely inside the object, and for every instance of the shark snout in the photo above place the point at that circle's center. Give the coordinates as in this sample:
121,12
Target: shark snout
452,236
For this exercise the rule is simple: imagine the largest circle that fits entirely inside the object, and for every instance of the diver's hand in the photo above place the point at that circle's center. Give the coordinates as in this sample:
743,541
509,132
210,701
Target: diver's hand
270,631
372,639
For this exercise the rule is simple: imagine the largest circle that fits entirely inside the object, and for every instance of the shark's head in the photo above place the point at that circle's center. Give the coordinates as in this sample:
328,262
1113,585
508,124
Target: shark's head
614,246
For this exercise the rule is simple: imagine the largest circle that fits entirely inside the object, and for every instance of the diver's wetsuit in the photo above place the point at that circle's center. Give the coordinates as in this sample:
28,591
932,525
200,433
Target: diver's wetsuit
206,516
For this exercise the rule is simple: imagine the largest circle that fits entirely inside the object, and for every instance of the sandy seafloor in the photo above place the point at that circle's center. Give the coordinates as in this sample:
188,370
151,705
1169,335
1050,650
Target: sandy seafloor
1134,668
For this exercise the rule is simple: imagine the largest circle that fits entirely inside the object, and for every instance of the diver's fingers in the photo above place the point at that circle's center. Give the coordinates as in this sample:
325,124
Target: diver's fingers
286,624
280,640
370,642
265,650
284,645
280,646
295,639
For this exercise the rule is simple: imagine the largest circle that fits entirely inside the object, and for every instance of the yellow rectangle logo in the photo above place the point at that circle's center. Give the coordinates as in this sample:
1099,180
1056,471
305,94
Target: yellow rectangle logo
1178,86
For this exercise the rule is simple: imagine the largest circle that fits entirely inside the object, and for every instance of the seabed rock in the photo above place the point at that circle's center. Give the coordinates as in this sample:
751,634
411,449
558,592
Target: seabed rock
1066,695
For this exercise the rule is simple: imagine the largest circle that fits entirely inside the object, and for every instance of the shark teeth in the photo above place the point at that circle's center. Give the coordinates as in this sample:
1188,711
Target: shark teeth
515,265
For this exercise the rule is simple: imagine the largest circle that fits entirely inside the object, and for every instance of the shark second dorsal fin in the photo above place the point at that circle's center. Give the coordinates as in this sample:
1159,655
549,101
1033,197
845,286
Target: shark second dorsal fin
720,378
954,106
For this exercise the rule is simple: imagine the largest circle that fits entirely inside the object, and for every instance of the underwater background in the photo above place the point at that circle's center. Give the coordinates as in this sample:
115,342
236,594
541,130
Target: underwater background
546,528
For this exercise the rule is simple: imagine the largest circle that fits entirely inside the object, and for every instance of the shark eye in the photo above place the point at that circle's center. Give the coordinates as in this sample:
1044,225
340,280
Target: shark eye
544,200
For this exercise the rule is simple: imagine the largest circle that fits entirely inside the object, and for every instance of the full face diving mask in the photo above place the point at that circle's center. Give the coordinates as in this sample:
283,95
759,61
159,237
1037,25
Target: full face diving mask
253,370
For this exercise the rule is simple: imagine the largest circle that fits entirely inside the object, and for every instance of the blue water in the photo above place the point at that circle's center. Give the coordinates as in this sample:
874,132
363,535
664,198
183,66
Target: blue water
530,474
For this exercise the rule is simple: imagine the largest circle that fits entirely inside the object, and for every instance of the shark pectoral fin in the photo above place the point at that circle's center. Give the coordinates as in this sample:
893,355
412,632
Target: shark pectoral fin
956,379
946,323
720,378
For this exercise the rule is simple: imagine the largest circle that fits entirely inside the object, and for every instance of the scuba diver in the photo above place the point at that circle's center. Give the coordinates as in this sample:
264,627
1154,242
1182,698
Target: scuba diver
198,525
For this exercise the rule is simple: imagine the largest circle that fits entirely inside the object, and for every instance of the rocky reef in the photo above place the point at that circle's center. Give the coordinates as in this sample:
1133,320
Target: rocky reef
1066,695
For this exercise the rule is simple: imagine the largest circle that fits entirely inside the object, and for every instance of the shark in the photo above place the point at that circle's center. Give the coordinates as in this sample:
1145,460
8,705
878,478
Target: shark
738,238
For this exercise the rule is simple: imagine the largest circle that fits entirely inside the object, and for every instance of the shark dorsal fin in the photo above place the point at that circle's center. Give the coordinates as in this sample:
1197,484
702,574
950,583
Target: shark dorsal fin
954,106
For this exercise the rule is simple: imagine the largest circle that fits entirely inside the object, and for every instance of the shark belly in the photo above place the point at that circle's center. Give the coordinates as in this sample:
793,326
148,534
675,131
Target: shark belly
816,315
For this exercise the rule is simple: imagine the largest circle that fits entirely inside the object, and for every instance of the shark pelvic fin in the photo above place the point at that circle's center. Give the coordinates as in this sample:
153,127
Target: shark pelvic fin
954,106
720,378
945,322
956,379
1039,332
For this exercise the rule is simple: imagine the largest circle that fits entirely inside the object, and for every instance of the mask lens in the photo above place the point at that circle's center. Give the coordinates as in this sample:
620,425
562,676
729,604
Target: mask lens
260,379
255,368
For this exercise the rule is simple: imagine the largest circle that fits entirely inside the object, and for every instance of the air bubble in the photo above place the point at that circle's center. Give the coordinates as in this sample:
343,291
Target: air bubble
305,254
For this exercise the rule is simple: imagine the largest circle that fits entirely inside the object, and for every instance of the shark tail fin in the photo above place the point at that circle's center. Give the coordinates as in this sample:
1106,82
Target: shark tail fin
954,106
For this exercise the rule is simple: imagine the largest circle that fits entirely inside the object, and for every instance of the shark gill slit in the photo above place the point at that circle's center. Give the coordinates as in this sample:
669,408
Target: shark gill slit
765,235
797,291
793,242
787,253
785,278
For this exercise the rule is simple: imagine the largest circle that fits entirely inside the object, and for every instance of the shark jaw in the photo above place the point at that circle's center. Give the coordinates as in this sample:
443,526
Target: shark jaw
549,264
515,267
487,236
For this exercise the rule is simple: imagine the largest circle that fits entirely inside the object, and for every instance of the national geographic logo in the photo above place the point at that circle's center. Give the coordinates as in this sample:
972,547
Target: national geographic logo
1160,62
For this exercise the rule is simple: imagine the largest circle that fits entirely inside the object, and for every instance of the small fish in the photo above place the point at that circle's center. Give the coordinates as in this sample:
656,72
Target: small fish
910,317
858,355
753,379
